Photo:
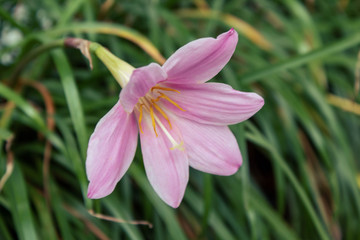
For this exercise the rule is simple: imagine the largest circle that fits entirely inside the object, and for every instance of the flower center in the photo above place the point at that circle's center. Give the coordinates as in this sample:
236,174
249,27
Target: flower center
149,104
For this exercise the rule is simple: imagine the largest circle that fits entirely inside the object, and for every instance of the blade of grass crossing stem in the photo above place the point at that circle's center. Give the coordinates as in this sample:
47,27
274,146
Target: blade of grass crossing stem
163,210
208,196
324,107
266,119
74,155
60,214
271,216
231,218
239,133
159,230
72,99
338,143
256,137
266,212
302,111
4,232
194,225
17,195
47,227
348,177
10,95
118,210
37,121
215,221
231,207
78,215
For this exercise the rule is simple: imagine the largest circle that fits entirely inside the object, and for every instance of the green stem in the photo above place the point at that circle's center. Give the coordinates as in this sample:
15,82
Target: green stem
30,57
260,74
96,27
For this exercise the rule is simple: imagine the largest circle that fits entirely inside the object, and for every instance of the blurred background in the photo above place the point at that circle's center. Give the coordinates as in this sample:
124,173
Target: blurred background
300,177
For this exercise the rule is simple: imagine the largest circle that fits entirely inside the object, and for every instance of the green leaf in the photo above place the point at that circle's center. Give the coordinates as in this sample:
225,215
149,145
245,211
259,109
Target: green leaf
72,99
17,194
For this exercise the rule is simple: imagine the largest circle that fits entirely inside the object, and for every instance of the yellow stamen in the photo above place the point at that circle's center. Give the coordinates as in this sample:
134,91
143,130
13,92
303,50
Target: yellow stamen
161,112
153,120
165,89
168,99
171,101
140,117
149,105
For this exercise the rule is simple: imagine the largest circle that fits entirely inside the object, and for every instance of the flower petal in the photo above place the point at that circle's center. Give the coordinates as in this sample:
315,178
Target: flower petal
167,168
213,103
141,81
211,149
200,60
111,150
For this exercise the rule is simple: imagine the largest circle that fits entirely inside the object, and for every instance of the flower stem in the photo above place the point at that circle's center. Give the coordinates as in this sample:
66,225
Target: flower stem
13,80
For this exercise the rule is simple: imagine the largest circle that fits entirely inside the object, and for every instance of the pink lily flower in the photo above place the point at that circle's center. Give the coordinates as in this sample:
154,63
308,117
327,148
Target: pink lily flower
182,121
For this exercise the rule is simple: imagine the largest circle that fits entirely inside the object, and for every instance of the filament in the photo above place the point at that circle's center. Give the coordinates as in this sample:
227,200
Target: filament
153,120
140,117
171,101
149,104
165,89
162,112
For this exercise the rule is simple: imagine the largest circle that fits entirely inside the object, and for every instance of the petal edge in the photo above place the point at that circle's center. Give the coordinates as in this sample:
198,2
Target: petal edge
211,149
201,59
108,155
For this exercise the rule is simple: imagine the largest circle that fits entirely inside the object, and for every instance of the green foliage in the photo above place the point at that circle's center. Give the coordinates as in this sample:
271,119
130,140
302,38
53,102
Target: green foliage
301,153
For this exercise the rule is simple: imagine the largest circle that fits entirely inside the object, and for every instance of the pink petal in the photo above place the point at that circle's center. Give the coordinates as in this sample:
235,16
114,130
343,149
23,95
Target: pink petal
111,150
200,60
213,103
141,81
166,169
211,149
